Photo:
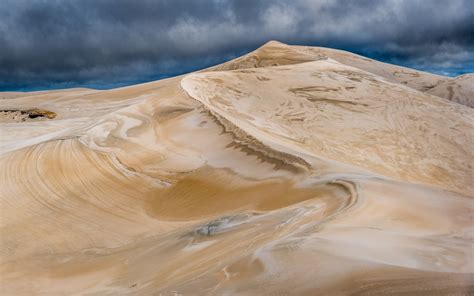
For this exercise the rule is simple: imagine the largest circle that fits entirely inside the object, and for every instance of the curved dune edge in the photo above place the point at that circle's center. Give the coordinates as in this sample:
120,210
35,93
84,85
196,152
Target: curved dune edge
194,185
330,110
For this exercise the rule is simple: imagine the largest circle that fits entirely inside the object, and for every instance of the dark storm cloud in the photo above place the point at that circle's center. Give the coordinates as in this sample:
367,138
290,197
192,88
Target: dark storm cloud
104,43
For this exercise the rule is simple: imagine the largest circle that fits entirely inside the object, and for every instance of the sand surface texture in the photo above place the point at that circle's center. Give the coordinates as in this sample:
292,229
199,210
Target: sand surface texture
289,171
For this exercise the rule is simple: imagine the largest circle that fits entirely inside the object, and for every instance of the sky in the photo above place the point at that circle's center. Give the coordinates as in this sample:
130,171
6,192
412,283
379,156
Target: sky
48,44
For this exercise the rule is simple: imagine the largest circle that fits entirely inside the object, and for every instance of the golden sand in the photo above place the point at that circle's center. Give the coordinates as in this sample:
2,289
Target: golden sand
288,171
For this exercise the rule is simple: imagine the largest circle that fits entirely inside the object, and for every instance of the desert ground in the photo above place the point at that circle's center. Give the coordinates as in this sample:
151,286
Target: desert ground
291,170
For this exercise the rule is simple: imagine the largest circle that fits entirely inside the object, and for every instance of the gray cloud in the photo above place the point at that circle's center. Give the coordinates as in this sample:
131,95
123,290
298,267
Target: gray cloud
110,42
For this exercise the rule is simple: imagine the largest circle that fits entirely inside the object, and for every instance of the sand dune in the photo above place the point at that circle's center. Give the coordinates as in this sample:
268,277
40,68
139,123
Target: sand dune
276,54
290,170
459,89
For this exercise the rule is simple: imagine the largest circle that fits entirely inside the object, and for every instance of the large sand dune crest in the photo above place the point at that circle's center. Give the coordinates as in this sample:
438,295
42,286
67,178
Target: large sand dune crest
290,170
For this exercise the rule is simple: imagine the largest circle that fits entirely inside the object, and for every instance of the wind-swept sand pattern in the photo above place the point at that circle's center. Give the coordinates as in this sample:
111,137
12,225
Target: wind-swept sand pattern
291,170
330,109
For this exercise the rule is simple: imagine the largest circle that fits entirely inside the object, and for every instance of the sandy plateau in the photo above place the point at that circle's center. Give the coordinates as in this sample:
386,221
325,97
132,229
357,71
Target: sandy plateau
289,171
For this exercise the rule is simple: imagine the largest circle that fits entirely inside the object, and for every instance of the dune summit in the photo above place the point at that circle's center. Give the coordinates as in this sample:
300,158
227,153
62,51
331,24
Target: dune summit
291,170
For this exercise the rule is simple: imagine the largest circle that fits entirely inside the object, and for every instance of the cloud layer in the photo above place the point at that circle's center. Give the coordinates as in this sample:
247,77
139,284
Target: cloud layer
54,43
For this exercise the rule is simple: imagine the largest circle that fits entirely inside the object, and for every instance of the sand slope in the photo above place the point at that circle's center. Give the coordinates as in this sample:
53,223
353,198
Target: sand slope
338,112
290,170
276,53
459,89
